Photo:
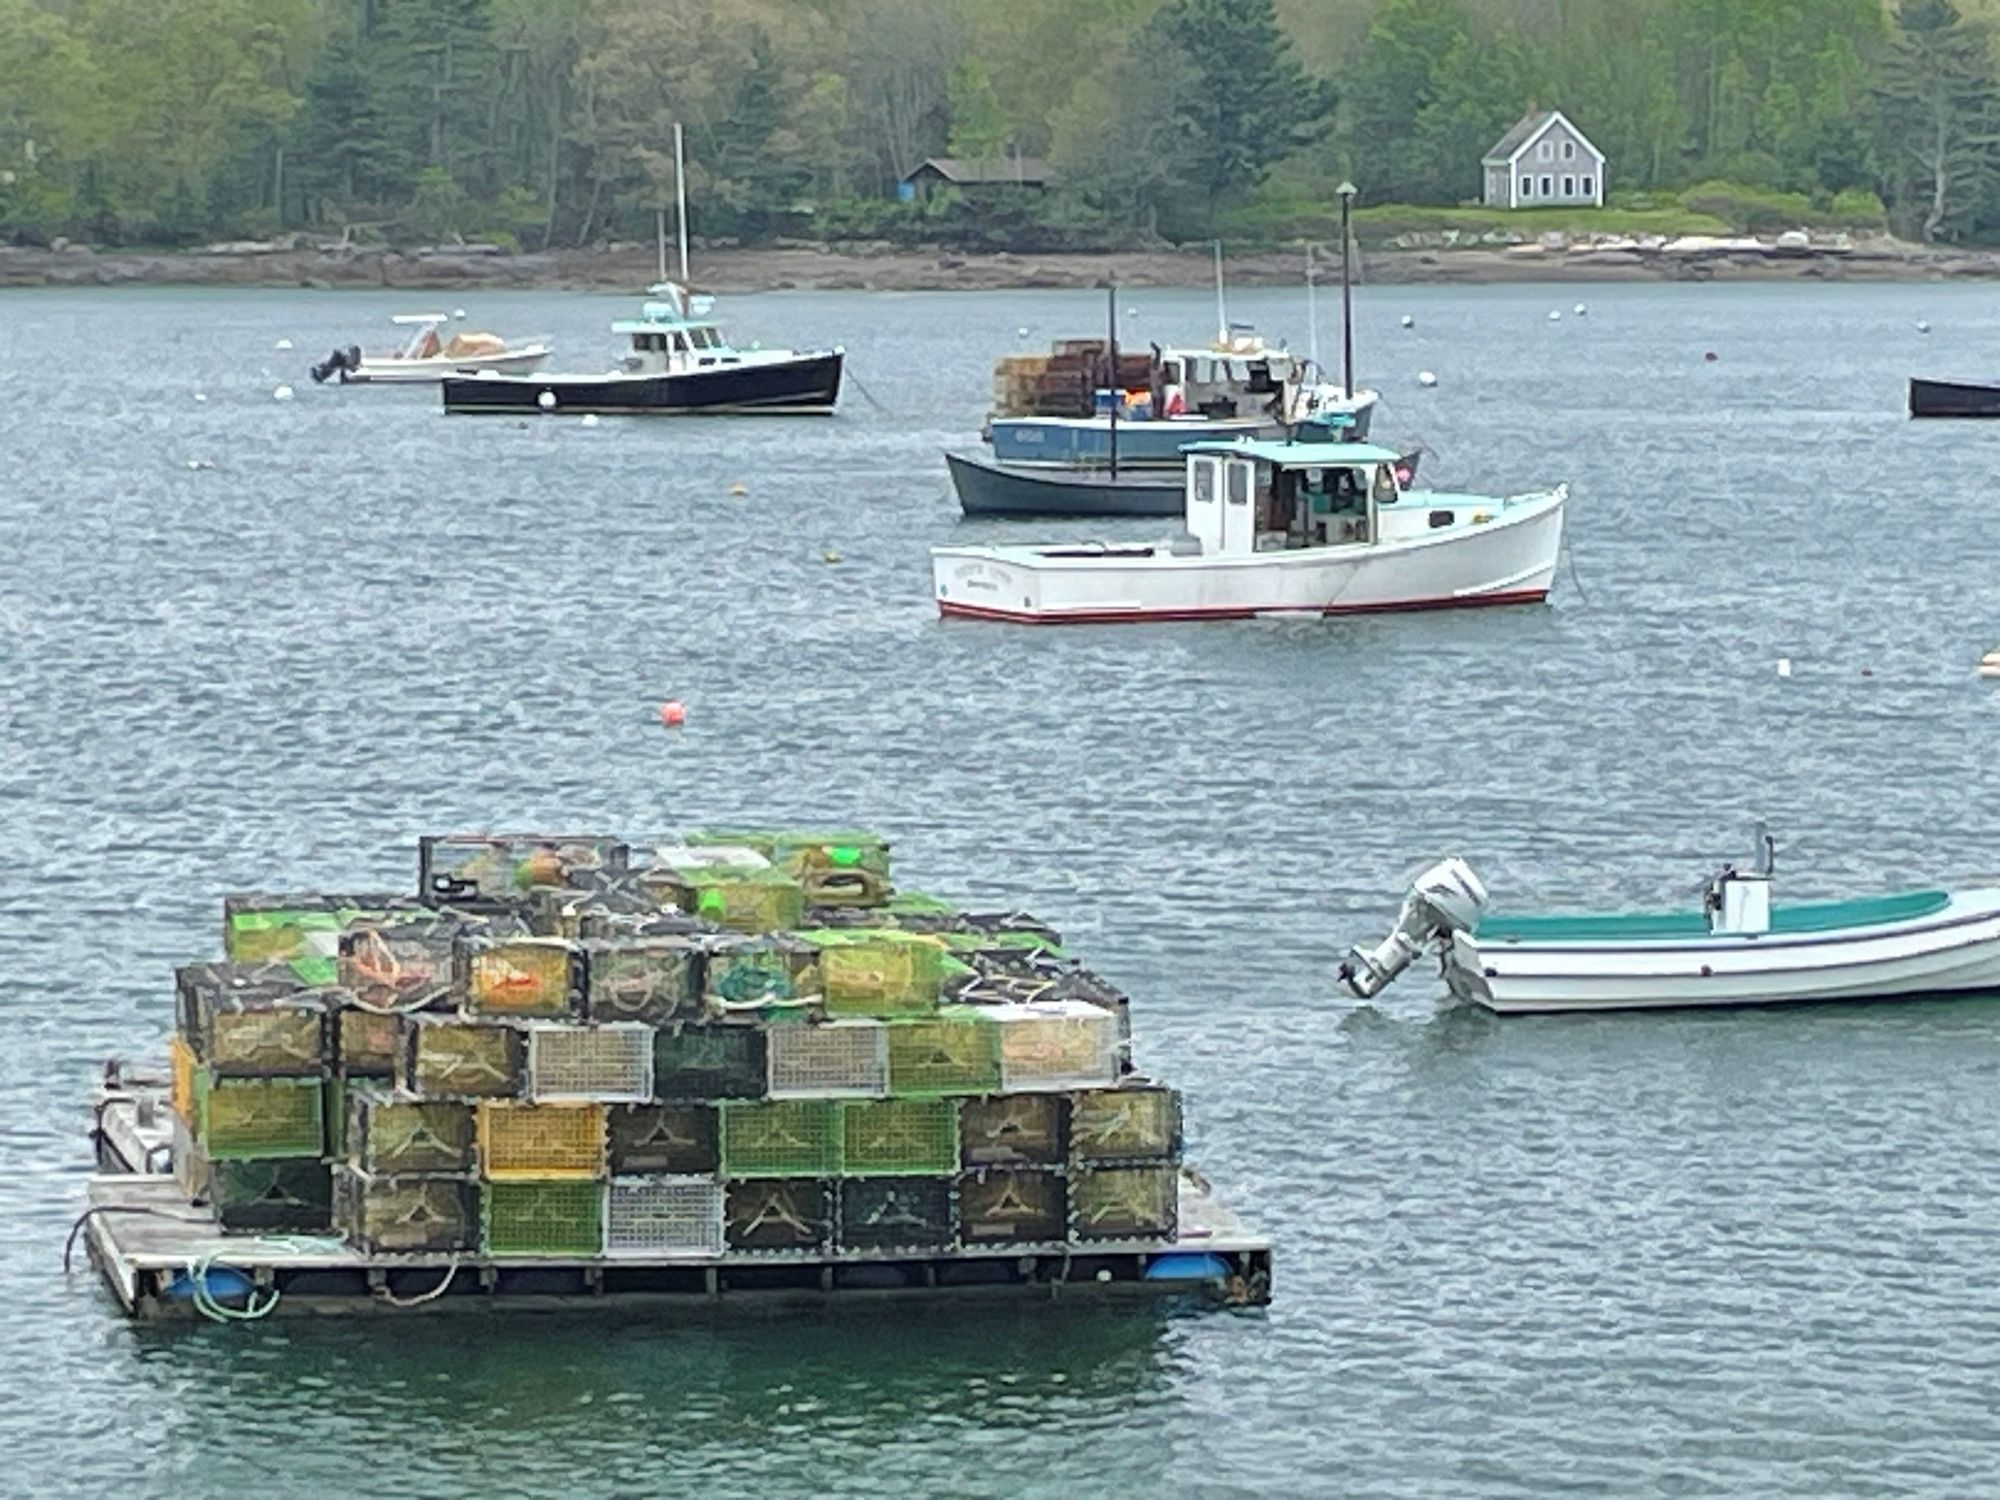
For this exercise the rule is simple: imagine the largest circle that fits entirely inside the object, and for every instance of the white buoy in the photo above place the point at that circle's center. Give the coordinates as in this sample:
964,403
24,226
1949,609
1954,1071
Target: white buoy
546,401
1923,325
1555,314
1021,332
1425,378
282,393
199,396
458,313
1784,666
1579,309
589,418
1408,321
1989,664
282,344
199,464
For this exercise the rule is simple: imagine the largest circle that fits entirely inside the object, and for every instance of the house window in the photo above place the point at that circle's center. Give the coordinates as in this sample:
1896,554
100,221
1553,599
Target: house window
1548,186
1546,151
1569,150
1527,187
1569,186
1589,188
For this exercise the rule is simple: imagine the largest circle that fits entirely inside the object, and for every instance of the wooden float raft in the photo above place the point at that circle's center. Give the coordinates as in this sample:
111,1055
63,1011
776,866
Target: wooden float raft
156,1251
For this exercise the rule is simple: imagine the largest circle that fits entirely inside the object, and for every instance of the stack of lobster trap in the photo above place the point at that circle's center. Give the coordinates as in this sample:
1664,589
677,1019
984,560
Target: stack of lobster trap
731,1042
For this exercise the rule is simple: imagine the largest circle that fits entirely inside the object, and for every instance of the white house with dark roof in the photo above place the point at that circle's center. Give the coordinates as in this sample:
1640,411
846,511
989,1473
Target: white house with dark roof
1544,161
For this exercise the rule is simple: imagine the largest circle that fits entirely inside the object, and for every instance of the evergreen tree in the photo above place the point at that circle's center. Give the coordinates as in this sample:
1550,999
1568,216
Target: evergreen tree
1941,114
1252,104
345,152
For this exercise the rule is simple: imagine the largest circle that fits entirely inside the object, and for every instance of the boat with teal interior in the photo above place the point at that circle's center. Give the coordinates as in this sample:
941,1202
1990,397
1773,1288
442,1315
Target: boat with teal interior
1738,948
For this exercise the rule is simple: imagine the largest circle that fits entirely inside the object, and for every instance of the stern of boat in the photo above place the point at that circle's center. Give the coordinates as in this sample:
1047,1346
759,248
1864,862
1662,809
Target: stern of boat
1465,971
978,583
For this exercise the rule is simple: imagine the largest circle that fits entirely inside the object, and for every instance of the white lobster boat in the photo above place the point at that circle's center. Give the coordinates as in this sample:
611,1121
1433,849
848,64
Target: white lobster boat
1311,525
1738,949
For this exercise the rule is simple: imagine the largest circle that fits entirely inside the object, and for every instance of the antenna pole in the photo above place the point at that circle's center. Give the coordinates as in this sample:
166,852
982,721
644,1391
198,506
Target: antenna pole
1221,312
681,197
1117,390
1312,309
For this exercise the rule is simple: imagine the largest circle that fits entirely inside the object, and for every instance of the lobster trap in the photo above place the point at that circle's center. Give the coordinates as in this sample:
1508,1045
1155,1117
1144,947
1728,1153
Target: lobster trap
518,1141
389,1134
732,896
262,927
259,1194
250,1020
610,1063
1013,1130
498,869
663,1217
366,1043
709,1062
1011,1206
400,965
555,1217
899,1137
831,1060
237,1118
780,1138
1056,1045
405,1215
775,975
896,1213
664,1140
954,1052
1125,1203
778,1214
1136,1122
878,972
445,1058
520,976
656,980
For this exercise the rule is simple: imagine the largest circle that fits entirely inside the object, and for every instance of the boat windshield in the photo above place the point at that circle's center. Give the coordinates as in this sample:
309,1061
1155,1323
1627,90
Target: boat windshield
1324,507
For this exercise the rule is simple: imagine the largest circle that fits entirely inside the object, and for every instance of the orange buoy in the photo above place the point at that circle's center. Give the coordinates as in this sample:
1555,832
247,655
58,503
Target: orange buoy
672,714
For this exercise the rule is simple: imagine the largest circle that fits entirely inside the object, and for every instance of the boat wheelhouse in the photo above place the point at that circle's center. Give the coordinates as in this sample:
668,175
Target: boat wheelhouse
1311,525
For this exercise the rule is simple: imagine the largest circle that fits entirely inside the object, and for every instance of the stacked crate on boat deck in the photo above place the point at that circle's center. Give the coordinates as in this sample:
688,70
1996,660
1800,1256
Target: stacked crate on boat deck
249,1070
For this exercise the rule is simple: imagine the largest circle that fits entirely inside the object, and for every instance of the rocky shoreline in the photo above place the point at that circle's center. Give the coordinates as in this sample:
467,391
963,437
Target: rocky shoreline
1413,261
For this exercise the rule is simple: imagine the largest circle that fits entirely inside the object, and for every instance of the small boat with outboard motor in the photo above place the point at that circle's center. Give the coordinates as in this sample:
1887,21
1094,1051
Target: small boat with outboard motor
1316,524
428,357
1739,948
1954,398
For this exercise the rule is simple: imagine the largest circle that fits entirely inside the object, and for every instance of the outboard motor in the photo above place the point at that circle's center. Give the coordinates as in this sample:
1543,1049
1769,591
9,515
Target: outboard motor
1446,898
341,362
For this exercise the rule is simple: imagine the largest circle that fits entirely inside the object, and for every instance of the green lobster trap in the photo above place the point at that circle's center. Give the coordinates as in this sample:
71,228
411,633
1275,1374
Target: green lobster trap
239,1118
899,1137
740,899
648,1140
709,1062
388,1134
264,1194
405,1215
1124,1203
780,1138
957,1051
896,1213
775,976
554,1217
262,927
878,972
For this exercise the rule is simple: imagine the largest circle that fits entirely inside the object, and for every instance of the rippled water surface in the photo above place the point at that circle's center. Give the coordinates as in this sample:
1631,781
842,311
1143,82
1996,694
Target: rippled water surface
1714,1254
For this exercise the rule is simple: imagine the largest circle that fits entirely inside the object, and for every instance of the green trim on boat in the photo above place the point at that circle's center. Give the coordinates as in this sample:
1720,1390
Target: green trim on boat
1637,926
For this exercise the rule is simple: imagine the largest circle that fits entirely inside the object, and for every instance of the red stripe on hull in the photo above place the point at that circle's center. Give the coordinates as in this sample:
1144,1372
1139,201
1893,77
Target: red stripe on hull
952,608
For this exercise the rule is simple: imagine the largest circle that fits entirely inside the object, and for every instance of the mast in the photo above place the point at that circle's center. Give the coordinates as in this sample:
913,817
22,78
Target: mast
1346,191
681,198
1221,312
1117,391
660,241
1312,310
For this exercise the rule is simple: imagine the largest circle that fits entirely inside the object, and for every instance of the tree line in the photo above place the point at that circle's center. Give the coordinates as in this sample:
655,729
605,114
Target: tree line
547,123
